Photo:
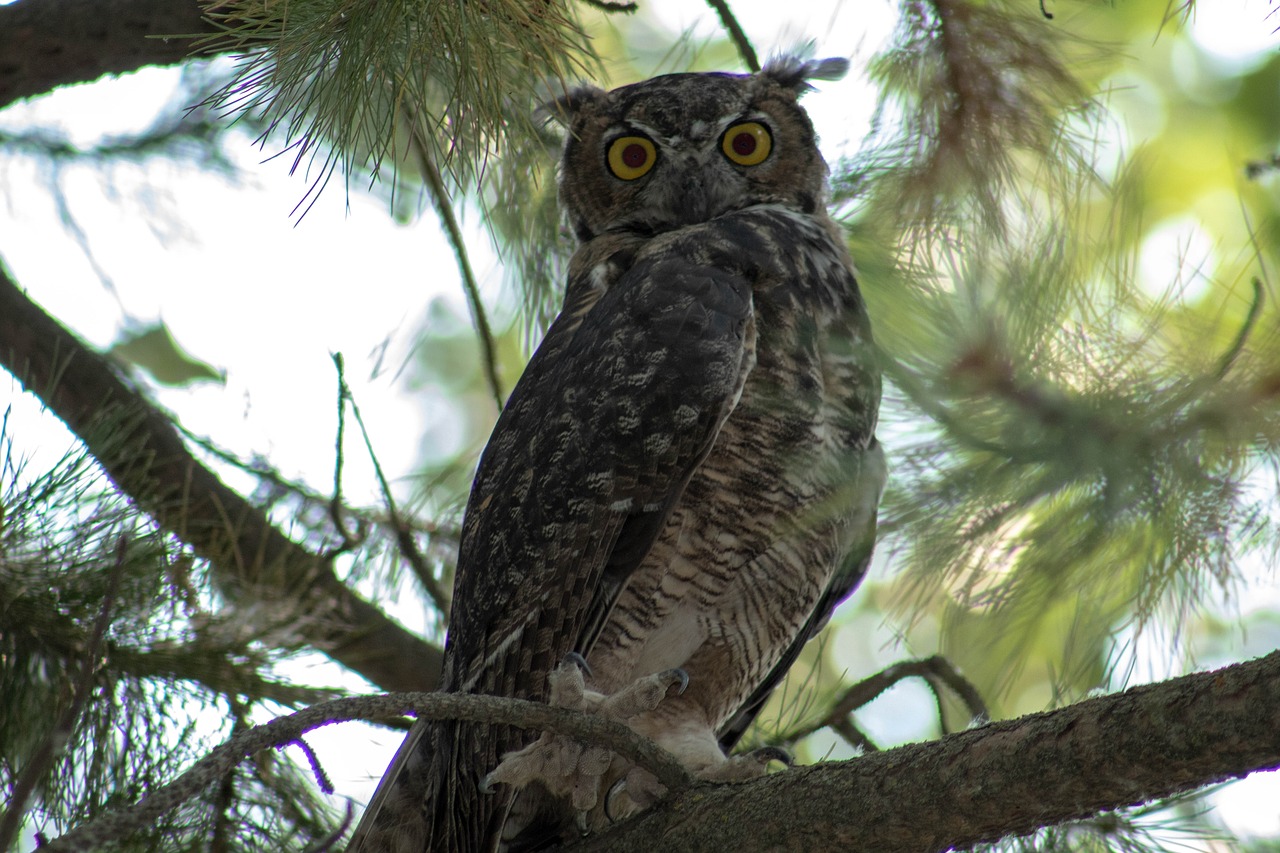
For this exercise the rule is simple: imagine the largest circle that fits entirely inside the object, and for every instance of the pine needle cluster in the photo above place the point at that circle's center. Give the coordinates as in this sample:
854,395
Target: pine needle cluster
113,675
352,83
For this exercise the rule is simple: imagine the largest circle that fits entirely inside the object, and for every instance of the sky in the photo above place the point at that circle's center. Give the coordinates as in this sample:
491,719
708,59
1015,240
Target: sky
267,299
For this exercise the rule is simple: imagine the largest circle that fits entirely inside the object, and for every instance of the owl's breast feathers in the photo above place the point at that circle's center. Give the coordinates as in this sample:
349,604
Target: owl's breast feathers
776,526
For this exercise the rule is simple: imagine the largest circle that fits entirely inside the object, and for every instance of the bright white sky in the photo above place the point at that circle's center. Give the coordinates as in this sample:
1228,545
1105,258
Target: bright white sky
243,288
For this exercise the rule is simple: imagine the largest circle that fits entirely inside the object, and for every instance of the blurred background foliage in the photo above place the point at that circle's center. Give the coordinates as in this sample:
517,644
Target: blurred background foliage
1067,232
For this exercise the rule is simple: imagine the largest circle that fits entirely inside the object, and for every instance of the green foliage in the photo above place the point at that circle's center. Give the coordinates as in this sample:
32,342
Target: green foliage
1077,447
356,81
108,652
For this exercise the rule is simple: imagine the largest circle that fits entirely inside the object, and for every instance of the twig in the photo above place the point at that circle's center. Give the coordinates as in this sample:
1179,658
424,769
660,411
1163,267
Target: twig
223,823
605,6
330,841
936,668
739,38
444,209
317,770
404,535
64,726
268,474
1237,346
427,706
854,736
349,540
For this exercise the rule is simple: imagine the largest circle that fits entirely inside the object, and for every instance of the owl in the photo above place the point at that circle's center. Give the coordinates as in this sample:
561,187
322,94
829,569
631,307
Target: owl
683,484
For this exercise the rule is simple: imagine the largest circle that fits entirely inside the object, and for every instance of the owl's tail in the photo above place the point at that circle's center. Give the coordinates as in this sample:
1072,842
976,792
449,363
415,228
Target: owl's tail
430,797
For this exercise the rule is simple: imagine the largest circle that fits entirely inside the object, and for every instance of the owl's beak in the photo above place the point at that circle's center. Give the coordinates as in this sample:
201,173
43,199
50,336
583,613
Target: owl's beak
693,200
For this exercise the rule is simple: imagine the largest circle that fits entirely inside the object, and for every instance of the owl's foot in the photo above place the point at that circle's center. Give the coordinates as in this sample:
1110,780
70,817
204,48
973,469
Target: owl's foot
567,767
640,789
747,766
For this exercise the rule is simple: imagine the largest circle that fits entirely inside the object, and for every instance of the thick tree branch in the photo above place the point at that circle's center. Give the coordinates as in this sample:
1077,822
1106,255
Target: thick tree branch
1007,778
143,454
49,43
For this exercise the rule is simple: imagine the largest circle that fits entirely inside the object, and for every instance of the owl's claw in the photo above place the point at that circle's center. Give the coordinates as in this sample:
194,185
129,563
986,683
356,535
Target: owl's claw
614,790
577,660
748,765
765,754
676,676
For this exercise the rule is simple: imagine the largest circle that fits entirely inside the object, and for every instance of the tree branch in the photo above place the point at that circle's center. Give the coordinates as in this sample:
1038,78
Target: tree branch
49,43
736,34
453,231
1006,778
142,453
222,760
935,670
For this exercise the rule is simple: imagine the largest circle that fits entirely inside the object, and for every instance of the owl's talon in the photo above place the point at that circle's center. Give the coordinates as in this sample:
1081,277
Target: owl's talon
765,754
745,766
614,789
486,785
577,660
676,676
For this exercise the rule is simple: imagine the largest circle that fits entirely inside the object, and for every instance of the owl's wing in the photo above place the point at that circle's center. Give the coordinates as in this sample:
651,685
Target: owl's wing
612,416
593,450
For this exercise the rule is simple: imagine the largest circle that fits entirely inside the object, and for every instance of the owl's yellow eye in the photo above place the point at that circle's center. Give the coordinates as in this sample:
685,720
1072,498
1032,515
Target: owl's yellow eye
747,144
631,157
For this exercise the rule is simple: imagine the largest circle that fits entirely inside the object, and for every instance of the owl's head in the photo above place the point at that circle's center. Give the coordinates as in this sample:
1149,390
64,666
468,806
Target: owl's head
684,148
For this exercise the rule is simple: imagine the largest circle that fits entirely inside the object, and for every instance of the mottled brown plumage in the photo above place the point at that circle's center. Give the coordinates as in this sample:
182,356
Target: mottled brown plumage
686,475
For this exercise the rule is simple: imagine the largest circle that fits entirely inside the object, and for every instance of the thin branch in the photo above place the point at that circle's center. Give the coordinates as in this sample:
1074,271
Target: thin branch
612,8
1242,337
736,34
404,535
224,797
264,472
336,509
330,842
854,736
444,209
43,757
933,669
317,770
595,729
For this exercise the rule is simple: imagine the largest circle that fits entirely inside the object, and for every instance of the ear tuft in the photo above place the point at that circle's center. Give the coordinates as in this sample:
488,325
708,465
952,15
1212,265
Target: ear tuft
562,109
794,72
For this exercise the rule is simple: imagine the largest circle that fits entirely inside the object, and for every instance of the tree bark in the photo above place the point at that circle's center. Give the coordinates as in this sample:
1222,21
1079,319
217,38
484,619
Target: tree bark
49,43
1004,779
145,457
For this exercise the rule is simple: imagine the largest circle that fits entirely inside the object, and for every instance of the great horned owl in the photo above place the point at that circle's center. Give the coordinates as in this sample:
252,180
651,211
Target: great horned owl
682,486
